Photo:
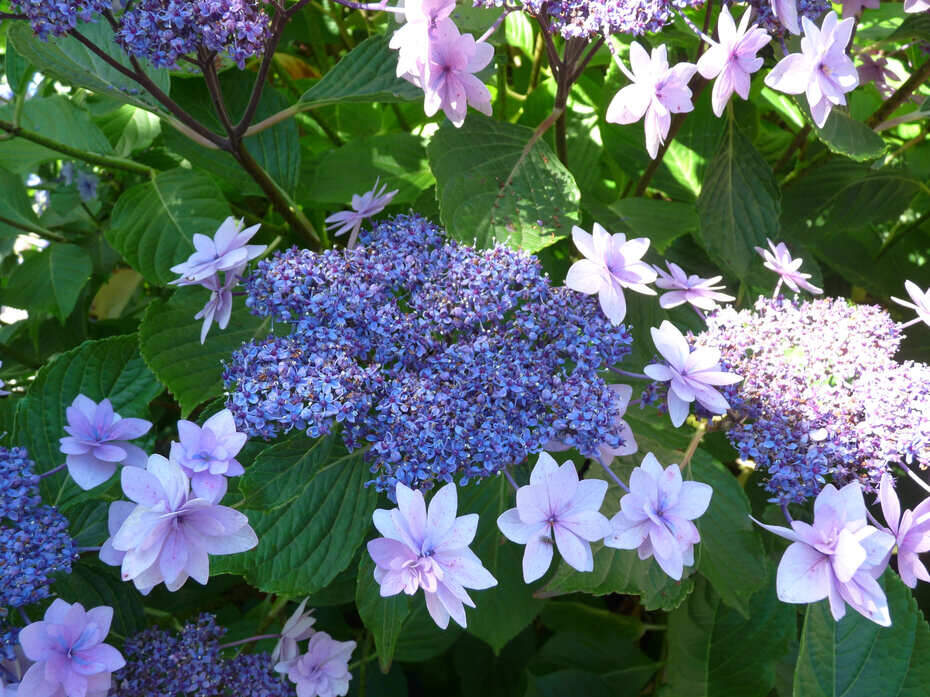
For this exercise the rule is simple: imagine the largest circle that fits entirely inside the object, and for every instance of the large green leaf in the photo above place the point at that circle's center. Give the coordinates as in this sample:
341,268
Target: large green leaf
739,204
129,128
384,617
716,652
50,280
493,187
420,638
170,343
92,584
17,207
844,135
107,368
368,73
661,221
72,62
153,223
857,658
314,512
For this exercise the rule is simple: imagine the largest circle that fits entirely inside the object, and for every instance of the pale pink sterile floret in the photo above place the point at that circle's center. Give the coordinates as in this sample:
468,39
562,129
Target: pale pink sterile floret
299,626
169,535
822,69
839,556
219,307
692,375
227,250
429,550
656,93
323,671
412,40
556,509
910,529
363,206
778,259
208,454
683,288
732,58
97,441
655,516
71,658
920,304
611,263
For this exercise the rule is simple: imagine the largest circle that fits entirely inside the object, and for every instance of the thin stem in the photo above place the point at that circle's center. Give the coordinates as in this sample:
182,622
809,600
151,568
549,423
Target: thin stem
537,62
638,376
913,475
613,475
12,15
694,27
86,550
208,67
54,470
914,321
699,313
22,613
362,661
579,68
786,512
510,479
33,228
692,446
777,287
249,640
873,519
494,27
917,78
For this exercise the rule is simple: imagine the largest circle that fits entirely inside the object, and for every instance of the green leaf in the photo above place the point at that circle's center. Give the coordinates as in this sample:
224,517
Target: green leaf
739,204
492,187
914,26
519,33
420,638
504,610
384,617
845,136
661,221
129,129
93,584
366,74
17,207
50,280
716,652
18,71
104,369
316,513
857,658
70,61
170,342
153,223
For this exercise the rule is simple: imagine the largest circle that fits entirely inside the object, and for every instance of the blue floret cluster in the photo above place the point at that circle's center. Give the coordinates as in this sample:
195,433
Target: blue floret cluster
54,18
443,360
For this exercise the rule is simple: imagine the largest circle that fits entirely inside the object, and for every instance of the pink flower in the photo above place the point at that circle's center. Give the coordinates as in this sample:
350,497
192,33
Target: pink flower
556,504
298,627
692,375
429,550
611,264
655,517
98,441
606,453
219,306
733,58
208,455
412,40
700,292
169,535
851,8
822,69
779,260
324,670
657,92
921,304
911,532
70,657
227,251
365,206
838,557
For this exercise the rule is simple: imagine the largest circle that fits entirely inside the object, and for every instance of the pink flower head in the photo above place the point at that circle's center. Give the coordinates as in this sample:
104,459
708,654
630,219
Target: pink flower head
70,657
556,504
921,304
655,517
822,69
219,306
611,263
779,260
911,6
429,550
692,375
700,292
208,455
226,251
365,206
911,532
412,40
852,8
298,627
169,535
98,441
324,670
838,557
657,92
733,58
606,453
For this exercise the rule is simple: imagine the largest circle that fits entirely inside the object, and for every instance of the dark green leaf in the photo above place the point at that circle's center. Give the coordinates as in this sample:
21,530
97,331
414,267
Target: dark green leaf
845,136
384,617
17,207
50,280
914,26
93,584
420,638
661,221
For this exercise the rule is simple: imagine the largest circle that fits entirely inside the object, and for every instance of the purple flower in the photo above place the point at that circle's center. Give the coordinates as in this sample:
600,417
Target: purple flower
779,260
556,504
412,40
655,517
97,441
700,292
219,306
838,557
208,455
70,657
822,69
611,264
911,532
429,550
87,186
324,670
733,58
365,206
226,251
298,627
921,304
656,92
691,375
169,534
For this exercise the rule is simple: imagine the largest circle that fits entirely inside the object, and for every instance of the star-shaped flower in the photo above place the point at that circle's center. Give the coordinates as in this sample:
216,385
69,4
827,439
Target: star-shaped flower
778,259
921,304
227,250
911,531
684,288
363,206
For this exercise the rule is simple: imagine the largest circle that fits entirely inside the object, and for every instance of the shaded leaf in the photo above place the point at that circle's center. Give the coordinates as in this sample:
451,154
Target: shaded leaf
384,617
